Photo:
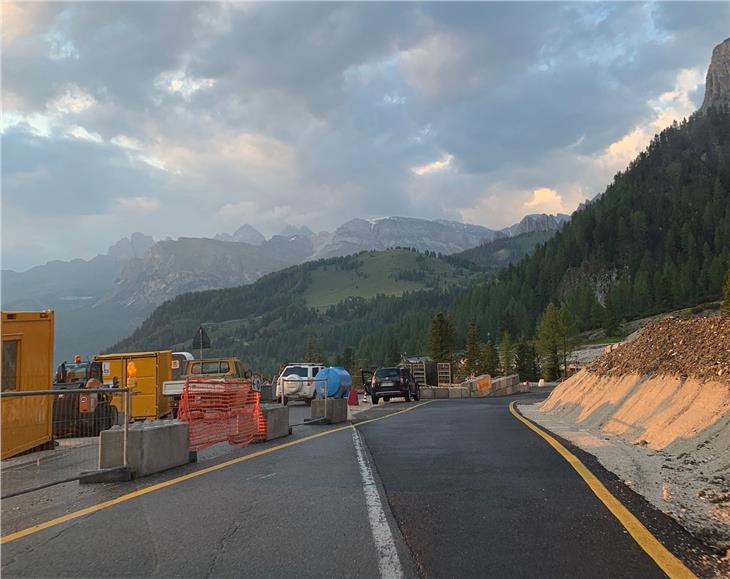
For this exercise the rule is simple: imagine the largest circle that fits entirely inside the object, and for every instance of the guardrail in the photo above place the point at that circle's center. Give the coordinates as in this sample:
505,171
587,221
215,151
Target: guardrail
52,436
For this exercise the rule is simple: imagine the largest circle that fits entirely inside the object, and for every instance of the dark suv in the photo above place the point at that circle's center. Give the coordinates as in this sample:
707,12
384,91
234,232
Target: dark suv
390,383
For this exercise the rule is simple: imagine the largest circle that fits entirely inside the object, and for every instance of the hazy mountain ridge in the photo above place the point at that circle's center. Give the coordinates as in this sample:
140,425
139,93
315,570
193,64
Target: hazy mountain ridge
101,299
189,264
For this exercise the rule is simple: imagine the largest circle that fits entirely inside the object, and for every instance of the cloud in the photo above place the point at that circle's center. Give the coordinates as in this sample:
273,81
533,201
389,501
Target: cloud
439,166
670,106
137,204
320,112
545,200
79,132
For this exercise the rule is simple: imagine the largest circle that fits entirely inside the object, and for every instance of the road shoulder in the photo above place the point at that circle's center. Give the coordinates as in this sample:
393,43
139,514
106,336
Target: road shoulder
692,552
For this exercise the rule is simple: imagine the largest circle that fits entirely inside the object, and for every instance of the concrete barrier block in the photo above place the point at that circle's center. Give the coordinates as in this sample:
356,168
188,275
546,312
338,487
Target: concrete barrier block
454,392
151,446
426,393
277,420
440,392
267,393
333,410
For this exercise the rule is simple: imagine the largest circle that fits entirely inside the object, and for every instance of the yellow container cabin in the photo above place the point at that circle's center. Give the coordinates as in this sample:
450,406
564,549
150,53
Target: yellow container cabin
152,369
27,364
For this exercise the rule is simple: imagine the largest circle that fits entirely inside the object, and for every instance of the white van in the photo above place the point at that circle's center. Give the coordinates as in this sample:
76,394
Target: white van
297,380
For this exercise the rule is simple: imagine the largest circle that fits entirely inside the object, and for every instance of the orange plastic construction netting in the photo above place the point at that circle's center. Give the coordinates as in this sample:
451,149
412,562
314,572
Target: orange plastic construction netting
221,410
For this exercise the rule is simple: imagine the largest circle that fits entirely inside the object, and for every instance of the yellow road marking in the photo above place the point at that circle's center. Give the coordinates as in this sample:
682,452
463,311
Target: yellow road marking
666,561
168,483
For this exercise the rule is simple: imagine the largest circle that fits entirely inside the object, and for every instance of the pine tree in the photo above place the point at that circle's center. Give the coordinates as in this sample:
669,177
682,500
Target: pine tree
473,361
347,360
568,333
524,360
610,322
506,354
490,359
392,352
548,342
441,339
319,356
310,354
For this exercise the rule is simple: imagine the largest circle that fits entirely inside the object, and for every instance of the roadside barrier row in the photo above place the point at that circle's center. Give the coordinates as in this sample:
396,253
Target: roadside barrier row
221,410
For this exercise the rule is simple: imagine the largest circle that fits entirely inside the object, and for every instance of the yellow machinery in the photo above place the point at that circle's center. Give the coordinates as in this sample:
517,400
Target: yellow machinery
27,364
148,371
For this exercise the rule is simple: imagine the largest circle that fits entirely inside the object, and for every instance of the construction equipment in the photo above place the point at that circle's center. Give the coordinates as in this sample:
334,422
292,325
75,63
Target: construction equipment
77,414
145,373
27,364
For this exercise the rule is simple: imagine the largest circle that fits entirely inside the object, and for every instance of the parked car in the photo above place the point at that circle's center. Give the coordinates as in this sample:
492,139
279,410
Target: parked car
387,383
297,382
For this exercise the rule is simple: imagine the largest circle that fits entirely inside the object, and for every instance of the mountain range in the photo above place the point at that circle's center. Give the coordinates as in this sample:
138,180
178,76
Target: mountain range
102,299
657,239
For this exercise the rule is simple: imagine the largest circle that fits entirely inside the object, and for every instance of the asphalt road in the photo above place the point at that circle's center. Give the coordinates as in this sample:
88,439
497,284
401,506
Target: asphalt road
466,491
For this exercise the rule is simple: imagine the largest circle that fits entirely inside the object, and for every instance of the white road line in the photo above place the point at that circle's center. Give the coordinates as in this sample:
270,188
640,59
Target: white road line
388,562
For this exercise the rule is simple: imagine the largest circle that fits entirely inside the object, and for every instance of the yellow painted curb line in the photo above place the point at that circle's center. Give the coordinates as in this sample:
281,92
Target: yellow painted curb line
168,483
666,561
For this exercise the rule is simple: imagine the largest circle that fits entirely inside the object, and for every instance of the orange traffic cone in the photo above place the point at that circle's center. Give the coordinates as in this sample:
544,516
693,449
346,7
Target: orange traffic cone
352,399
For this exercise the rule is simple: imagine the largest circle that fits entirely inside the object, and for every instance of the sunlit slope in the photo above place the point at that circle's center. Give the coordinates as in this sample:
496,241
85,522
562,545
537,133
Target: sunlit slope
268,322
390,273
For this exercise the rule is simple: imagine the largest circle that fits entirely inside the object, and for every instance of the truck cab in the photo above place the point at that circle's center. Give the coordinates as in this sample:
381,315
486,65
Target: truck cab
206,368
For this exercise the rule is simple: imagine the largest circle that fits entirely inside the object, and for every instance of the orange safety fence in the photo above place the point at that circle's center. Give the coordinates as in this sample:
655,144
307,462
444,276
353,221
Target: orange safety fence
221,410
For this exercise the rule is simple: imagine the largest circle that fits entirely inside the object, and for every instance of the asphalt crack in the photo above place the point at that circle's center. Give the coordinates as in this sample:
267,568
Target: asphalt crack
220,547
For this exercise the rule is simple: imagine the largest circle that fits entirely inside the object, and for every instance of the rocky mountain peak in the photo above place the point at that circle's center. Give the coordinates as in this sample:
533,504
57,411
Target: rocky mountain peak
535,222
247,233
717,85
131,247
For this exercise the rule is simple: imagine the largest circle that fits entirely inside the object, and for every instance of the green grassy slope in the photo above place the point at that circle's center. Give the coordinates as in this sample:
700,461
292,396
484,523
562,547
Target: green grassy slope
390,273
268,322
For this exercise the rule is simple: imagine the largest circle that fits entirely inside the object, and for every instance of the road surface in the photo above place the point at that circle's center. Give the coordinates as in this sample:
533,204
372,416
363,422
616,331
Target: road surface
450,488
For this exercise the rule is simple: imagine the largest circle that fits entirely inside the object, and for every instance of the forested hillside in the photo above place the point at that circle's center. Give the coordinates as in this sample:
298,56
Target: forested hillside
336,300
501,252
658,238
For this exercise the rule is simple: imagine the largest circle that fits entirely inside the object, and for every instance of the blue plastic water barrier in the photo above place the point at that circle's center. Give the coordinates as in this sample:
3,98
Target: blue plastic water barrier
339,382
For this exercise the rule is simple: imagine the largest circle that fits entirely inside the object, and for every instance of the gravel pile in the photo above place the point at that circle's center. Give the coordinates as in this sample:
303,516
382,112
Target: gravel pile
697,348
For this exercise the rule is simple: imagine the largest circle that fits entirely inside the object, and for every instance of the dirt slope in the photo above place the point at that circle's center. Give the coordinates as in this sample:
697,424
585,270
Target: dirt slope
698,348
656,411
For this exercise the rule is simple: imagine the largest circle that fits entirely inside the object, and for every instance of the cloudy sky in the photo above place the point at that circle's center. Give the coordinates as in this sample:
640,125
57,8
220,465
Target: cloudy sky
192,119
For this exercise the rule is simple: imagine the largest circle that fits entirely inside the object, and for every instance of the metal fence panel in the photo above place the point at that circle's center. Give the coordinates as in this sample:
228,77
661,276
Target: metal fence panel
444,373
72,427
